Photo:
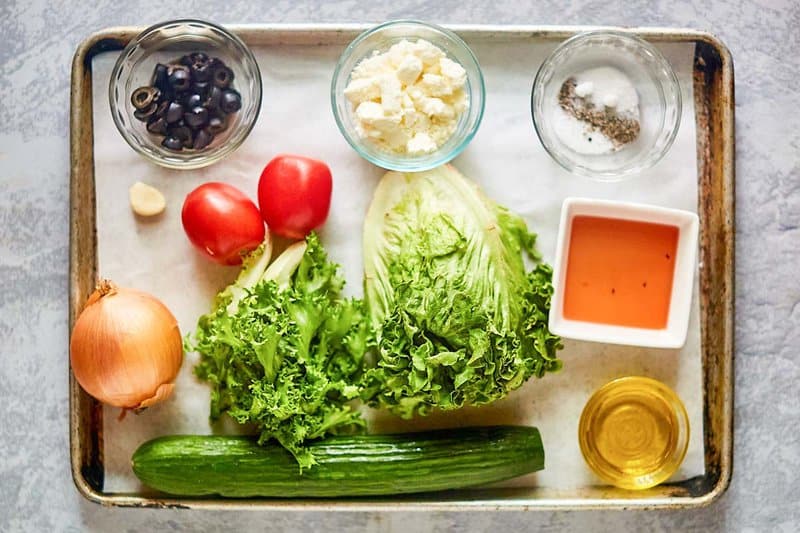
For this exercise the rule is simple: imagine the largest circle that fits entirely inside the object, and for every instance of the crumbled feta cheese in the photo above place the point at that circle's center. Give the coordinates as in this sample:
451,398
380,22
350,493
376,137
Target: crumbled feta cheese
415,93
409,69
459,101
428,52
373,115
416,121
436,85
399,52
390,93
375,63
396,139
369,112
409,98
362,90
452,70
421,143
435,107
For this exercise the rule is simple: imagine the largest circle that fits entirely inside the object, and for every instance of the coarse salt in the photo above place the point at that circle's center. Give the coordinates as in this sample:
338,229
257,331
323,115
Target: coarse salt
609,84
578,136
604,89
610,100
584,89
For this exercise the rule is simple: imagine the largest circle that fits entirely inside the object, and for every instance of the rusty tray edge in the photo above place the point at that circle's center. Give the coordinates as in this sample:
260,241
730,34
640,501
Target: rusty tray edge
716,175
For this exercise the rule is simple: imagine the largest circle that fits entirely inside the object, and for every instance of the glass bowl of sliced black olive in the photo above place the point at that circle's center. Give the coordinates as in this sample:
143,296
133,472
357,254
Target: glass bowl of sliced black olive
185,93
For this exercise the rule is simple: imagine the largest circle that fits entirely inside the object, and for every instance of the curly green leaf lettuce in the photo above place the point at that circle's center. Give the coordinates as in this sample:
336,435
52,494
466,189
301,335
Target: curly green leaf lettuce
458,319
283,350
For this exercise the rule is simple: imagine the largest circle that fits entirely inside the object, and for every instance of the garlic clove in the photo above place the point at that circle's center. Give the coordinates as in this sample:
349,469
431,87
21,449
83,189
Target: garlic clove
146,201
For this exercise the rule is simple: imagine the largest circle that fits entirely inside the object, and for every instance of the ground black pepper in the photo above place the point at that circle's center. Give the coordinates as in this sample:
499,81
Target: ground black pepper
620,130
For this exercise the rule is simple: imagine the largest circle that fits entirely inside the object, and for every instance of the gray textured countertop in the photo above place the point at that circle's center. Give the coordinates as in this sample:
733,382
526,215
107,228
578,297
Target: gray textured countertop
36,47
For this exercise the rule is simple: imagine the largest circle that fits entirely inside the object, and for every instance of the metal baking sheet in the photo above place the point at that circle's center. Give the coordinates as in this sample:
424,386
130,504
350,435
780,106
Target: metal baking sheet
87,421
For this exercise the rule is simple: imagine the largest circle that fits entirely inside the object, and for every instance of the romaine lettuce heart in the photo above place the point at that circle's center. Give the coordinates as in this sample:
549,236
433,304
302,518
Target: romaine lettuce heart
458,320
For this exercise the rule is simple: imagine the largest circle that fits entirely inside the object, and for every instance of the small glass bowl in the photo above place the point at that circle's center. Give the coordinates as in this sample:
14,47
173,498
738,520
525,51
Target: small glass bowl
637,410
167,42
656,85
380,39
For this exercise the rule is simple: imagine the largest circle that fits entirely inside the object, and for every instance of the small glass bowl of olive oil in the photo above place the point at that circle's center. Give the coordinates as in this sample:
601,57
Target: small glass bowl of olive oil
634,432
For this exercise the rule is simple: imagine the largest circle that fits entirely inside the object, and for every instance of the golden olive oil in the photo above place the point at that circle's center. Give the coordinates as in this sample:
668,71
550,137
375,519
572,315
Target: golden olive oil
634,432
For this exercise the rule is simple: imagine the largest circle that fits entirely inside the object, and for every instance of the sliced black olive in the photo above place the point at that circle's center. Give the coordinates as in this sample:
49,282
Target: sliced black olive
231,101
144,114
167,95
214,98
180,78
193,100
222,77
174,112
201,72
160,79
172,143
157,125
196,117
202,139
201,88
143,97
162,108
217,123
181,97
198,57
183,133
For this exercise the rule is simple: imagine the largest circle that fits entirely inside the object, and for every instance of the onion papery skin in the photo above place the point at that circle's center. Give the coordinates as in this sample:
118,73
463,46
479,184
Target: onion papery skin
126,347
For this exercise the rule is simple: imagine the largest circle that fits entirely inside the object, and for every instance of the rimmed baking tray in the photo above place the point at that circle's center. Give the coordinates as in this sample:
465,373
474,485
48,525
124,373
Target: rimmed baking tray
714,104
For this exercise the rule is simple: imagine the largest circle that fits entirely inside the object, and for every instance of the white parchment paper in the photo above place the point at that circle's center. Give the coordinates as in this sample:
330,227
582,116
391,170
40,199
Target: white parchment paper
505,158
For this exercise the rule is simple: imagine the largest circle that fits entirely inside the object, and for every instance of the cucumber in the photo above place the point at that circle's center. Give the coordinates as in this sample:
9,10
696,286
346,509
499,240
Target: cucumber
364,465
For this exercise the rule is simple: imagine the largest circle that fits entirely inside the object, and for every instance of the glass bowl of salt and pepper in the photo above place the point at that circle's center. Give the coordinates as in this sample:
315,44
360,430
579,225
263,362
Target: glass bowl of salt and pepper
606,105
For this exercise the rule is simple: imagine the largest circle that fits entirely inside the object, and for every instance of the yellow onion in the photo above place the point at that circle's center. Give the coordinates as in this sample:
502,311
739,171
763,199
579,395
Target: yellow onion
126,347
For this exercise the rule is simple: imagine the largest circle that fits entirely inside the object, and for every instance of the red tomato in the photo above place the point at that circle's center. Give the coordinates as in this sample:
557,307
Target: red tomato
222,222
294,194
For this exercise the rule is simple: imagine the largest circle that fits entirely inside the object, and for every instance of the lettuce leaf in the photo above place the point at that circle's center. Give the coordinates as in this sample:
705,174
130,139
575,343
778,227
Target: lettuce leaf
282,349
457,318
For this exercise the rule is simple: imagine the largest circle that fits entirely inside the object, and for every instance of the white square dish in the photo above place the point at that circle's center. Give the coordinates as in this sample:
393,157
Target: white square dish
671,336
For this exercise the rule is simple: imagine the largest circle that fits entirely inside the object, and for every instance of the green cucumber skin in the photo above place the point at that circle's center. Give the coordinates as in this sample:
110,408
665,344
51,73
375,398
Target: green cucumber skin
365,465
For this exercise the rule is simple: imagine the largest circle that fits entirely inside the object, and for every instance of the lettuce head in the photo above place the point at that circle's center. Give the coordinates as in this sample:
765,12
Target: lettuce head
458,318
282,348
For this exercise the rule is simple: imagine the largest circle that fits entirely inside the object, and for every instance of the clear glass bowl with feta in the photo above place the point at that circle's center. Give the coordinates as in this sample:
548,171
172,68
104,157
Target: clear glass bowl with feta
408,95
606,105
